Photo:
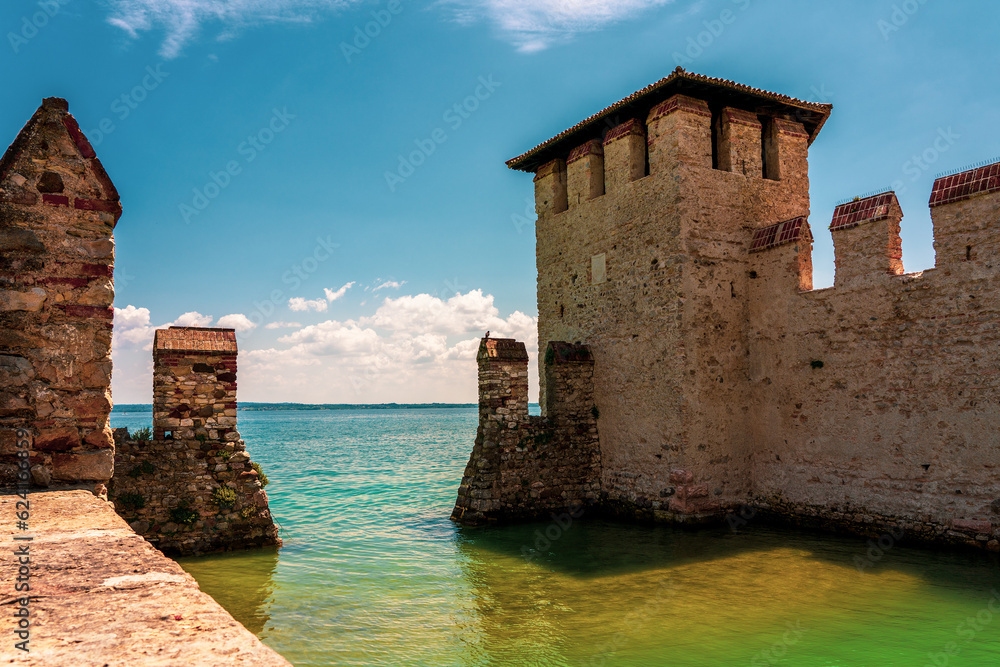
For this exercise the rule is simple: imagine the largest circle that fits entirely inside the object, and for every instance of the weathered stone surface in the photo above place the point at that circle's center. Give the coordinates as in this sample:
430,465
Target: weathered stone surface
528,467
101,595
41,475
58,439
56,267
83,466
30,301
12,240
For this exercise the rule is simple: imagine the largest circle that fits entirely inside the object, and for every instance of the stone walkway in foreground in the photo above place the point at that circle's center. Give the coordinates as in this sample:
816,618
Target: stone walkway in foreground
102,595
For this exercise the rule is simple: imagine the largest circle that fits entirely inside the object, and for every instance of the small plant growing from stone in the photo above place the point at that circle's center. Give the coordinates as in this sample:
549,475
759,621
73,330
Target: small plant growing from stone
183,514
248,511
201,437
144,434
130,502
550,356
225,454
260,474
224,497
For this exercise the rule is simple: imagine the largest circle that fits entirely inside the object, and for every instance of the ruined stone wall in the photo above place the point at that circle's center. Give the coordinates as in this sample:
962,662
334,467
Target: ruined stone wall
525,467
58,210
169,492
191,488
881,402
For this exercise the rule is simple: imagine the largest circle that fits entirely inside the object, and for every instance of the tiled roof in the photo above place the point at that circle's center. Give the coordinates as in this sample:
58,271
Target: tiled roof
195,339
502,348
639,103
966,185
864,210
780,233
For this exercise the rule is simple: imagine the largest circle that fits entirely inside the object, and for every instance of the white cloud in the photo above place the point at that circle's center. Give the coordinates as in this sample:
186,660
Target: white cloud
389,284
193,319
468,313
332,296
413,348
182,20
532,25
237,321
298,304
132,325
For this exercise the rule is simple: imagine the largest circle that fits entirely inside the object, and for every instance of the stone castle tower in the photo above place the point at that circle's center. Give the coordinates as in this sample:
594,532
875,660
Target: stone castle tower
673,245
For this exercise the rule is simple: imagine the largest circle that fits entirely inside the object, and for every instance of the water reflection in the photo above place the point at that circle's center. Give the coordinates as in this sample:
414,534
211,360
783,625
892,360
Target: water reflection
606,594
241,581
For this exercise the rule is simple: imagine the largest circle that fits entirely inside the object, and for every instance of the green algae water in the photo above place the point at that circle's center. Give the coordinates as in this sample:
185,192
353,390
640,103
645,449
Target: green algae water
372,572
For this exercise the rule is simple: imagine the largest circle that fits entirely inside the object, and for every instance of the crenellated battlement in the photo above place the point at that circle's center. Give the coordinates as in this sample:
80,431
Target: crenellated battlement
688,121
673,242
527,467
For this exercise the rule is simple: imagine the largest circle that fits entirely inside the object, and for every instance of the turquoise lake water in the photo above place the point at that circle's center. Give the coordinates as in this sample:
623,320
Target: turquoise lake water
372,572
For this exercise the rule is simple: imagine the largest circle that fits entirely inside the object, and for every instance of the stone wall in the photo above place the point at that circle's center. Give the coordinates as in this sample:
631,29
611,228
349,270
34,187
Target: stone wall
58,211
721,378
525,467
168,492
194,383
877,401
101,595
191,487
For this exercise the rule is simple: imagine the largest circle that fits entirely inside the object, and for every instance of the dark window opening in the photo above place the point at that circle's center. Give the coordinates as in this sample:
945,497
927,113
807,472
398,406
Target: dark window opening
968,253
769,148
562,310
716,137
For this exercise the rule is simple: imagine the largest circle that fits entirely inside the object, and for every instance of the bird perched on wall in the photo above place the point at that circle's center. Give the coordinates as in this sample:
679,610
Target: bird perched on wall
487,335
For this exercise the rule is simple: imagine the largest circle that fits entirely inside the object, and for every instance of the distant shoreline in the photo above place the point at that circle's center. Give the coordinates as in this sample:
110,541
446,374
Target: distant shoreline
146,407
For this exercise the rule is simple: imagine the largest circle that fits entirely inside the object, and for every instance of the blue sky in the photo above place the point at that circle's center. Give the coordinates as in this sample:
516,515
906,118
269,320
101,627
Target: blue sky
251,142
